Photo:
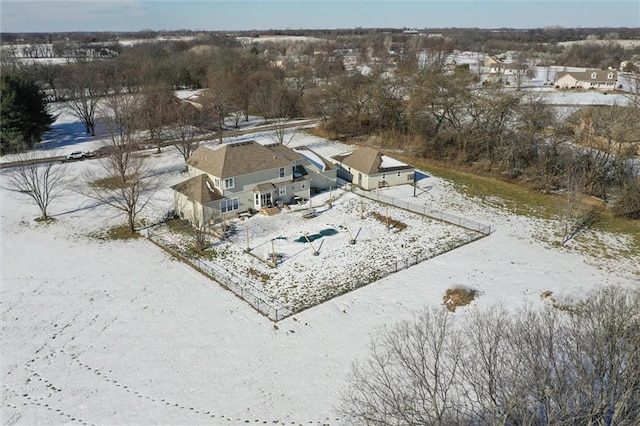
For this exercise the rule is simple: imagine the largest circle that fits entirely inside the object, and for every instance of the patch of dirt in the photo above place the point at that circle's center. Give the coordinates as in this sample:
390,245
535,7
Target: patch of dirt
455,297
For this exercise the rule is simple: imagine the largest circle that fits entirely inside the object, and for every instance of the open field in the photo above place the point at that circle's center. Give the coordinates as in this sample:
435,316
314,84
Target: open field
119,332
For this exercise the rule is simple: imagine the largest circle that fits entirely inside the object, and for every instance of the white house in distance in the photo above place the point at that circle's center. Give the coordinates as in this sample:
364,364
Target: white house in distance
237,177
589,79
369,168
507,68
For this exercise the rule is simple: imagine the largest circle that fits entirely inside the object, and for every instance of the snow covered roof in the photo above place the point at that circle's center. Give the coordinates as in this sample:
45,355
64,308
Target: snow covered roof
388,162
371,161
314,158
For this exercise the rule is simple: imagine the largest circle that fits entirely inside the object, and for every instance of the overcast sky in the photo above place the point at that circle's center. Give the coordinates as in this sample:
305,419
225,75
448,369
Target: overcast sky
135,15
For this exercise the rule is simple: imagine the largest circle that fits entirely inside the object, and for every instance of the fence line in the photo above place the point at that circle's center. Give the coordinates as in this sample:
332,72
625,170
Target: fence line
230,280
423,210
392,267
241,286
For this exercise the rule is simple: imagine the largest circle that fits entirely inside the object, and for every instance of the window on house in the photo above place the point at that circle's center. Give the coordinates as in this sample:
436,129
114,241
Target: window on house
216,182
398,173
229,205
610,76
303,185
384,176
282,190
281,172
410,176
228,183
594,75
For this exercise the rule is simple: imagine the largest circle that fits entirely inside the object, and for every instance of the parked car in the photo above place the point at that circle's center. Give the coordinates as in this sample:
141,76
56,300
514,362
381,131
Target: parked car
76,155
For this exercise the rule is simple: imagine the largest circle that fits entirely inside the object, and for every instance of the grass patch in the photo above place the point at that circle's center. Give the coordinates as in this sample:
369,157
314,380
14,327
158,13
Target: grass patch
259,275
520,199
121,232
516,198
203,253
181,226
111,182
46,220
319,131
396,224
455,297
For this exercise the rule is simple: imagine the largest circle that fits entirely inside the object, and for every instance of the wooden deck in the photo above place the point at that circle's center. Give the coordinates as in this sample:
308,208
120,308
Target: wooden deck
270,211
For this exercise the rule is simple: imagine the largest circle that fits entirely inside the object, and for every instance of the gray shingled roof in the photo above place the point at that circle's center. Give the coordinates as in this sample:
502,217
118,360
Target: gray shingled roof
366,160
199,189
235,159
601,75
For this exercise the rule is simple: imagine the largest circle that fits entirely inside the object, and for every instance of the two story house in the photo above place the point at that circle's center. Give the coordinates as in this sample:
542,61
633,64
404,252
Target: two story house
238,177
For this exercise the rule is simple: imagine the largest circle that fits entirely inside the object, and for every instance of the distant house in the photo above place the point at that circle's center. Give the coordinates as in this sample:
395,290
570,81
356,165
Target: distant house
589,79
507,68
369,169
237,177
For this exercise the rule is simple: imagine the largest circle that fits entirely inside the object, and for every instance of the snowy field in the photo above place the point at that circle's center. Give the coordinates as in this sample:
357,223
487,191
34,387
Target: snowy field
112,332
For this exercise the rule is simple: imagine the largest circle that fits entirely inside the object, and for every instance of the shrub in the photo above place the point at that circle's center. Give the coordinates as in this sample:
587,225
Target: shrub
628,204
455,297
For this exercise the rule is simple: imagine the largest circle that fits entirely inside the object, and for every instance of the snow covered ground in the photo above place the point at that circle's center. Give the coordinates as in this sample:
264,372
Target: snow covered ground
112,332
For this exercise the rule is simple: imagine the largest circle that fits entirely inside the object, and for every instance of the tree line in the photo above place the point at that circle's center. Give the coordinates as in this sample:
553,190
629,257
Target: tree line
423,106
566,365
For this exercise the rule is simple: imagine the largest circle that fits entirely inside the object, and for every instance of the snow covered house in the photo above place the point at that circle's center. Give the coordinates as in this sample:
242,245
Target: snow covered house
369,169
237,177
589,79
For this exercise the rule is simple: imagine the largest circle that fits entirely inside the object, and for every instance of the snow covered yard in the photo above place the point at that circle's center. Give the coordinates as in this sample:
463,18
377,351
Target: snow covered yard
112,332
351,243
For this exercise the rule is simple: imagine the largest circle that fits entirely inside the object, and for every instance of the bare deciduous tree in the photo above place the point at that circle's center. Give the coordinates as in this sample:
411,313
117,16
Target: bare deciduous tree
42,181
410,376
489,366
85,85
123,180
572,215
184,129
219,98
575,365
157,109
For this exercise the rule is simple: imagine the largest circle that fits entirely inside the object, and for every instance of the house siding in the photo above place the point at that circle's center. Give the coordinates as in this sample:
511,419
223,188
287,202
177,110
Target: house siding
244,186
590,79
193,211
270,185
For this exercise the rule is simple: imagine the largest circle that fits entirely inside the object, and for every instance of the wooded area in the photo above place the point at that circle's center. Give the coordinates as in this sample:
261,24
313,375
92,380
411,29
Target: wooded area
410,99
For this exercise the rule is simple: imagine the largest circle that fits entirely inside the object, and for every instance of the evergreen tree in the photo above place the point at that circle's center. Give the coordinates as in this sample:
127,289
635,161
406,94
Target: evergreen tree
23,114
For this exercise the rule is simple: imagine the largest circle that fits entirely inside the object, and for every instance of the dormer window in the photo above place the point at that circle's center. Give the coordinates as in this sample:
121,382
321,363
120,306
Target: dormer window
594,75
610,75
